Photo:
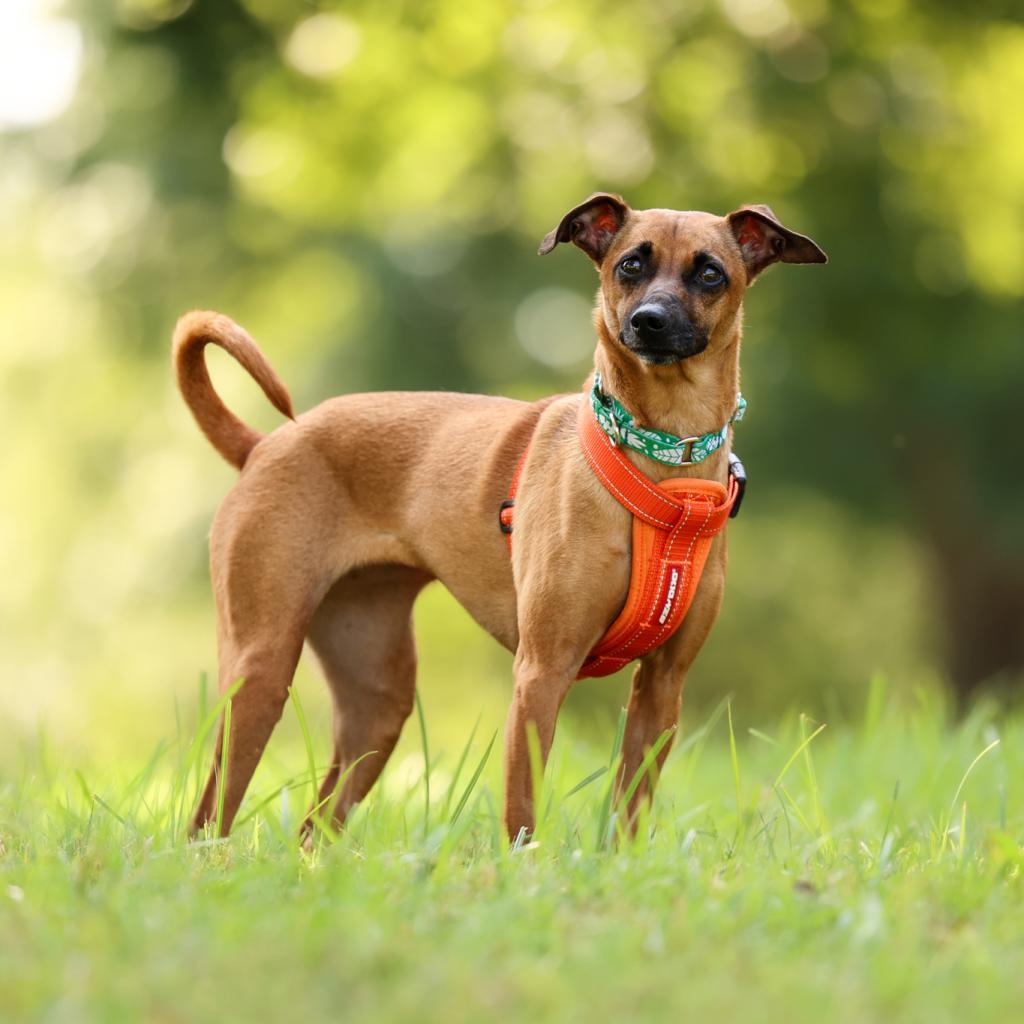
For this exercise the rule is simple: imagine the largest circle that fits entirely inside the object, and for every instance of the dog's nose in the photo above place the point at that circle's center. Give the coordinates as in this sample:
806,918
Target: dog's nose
649,319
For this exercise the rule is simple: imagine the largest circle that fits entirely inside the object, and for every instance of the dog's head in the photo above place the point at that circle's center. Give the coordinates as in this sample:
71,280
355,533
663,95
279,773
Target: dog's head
672,282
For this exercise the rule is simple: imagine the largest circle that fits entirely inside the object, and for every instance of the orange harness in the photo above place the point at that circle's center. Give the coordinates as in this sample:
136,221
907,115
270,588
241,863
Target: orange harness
674,523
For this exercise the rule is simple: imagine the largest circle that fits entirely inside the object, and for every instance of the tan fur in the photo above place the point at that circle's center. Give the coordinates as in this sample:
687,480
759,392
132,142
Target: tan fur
340,517
228,434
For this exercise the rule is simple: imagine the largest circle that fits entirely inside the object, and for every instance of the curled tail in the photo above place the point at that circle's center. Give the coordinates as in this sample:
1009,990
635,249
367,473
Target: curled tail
225,431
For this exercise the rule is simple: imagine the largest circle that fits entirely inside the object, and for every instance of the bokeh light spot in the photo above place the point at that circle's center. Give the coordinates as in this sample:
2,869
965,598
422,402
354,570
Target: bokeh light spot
322,45
40,58
759,18
554,327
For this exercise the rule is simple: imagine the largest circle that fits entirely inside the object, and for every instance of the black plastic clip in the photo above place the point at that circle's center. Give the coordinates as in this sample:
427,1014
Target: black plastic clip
505,523
739,474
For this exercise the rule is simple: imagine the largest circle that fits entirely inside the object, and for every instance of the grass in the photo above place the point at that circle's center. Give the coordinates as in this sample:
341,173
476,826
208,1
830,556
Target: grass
866,871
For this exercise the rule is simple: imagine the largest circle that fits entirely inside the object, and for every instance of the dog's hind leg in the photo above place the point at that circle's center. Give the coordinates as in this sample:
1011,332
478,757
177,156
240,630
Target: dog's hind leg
362,635
267,589
266,673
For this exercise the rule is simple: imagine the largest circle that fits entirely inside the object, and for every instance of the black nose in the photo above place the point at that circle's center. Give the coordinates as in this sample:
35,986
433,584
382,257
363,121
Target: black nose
649,318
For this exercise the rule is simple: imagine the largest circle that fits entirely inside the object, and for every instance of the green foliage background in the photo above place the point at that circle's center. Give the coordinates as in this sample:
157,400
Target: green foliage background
363,185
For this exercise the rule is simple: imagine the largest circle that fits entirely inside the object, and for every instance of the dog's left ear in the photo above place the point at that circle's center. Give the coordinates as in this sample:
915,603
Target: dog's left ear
763,240
592,225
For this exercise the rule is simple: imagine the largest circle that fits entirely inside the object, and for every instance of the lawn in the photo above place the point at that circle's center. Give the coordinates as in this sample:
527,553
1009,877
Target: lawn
865,871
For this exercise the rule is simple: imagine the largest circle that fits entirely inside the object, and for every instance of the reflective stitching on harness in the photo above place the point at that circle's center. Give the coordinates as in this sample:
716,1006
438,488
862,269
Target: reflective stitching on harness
623,500
661,577
685,586
642,625
638,477
642,480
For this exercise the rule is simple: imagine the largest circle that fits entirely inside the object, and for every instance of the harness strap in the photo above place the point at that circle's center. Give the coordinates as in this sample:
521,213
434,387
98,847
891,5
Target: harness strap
674,523
651,502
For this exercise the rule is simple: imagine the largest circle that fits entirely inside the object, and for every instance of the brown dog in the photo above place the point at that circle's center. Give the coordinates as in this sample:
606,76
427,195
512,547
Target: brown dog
343,515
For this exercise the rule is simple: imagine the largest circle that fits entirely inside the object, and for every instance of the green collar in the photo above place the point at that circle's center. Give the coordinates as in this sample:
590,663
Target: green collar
618,423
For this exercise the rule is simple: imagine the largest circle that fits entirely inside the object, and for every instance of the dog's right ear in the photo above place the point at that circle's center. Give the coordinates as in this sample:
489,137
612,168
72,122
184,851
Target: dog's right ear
592,225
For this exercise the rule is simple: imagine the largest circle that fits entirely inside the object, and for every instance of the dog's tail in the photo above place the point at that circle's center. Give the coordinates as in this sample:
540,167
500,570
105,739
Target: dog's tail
225,431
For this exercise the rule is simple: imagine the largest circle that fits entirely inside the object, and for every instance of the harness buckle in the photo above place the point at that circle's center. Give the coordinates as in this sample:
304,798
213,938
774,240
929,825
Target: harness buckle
505,521
739,474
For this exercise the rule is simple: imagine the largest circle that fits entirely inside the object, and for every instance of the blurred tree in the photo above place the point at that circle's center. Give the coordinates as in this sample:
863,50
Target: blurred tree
369,179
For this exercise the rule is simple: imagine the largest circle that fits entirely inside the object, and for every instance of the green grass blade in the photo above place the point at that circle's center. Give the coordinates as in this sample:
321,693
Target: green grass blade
735,760
460,764
426,762
883,849
193,759
84,788
875,705
605,813
307,739
970,768
583,783
222,780
694,744
324,826
471,785
763,736
805,742
812,779
110,810
295,782
646,765
948,816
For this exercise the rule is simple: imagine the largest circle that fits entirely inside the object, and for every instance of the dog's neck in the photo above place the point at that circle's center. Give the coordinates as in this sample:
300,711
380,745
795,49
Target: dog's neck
692,397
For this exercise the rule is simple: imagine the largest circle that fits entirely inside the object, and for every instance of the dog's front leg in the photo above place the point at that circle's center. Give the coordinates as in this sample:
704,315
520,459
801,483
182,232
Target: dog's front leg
657,692
560,614
539,691
654,704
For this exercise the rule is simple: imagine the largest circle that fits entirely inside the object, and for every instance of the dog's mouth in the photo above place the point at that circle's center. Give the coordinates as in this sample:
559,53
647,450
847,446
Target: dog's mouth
670,346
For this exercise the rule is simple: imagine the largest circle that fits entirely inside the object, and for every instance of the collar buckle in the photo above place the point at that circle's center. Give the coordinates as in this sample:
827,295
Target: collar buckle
623,431
616,432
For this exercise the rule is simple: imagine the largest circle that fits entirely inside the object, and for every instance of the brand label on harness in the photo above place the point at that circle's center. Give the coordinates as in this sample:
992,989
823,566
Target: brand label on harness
673,585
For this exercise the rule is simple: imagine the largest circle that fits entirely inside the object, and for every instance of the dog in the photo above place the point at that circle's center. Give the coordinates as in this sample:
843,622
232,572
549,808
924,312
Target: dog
342,515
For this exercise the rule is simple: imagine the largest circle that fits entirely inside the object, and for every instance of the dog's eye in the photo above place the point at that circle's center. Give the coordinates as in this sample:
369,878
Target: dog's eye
710,275
631,266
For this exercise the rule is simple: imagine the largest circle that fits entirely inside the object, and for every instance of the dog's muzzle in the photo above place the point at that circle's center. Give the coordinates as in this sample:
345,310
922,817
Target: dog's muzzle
660,332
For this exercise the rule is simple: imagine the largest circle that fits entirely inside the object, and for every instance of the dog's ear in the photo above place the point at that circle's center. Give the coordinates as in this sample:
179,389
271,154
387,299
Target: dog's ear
592,225
763,240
